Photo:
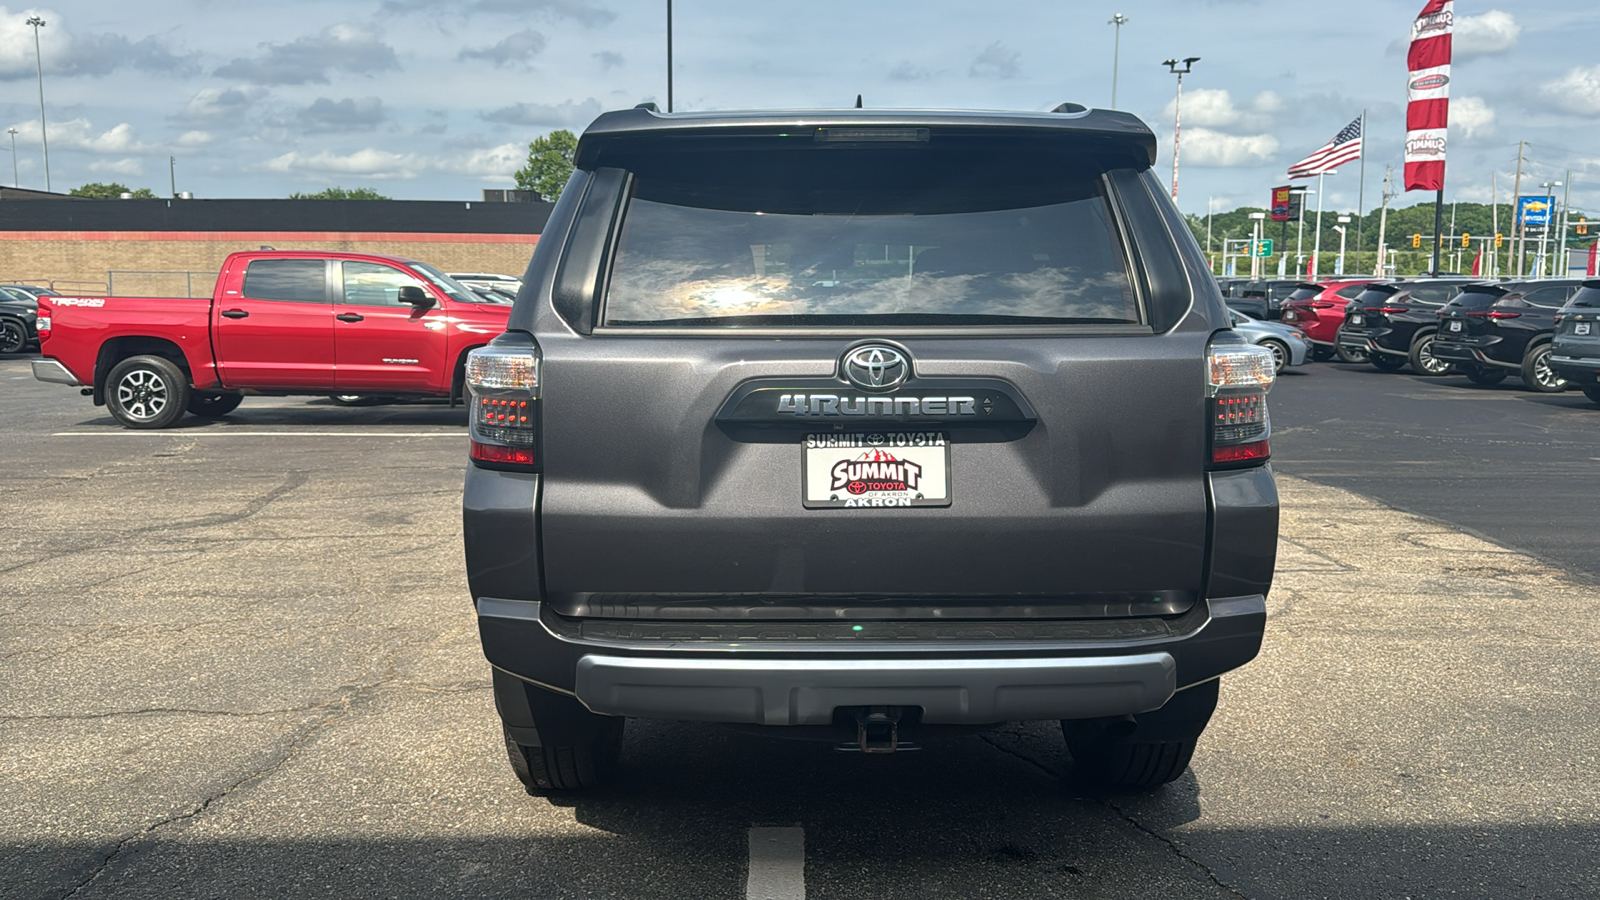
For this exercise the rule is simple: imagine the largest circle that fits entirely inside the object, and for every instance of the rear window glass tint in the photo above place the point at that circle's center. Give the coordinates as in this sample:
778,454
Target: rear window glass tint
1476,299
291,280
1552,297
865,238
1305,293
1586,297
1435,294
1350,291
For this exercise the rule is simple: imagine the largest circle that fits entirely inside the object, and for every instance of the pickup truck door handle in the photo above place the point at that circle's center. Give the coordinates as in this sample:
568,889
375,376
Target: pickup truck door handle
349,317
235,314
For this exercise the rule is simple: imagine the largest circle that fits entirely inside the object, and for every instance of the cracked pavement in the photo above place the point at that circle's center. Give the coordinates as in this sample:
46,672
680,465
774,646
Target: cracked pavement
248,667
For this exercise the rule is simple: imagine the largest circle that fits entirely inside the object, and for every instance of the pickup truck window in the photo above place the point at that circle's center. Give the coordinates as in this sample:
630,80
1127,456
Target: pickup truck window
291,280
374,284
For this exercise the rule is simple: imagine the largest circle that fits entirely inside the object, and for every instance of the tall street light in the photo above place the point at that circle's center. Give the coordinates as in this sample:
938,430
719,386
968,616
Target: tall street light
15,180
669,55
1118,20
1177,112
38,58
1341,228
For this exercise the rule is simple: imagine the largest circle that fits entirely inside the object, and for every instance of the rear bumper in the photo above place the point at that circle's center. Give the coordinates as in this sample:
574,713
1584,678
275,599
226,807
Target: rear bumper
797,683
54,372
1577,369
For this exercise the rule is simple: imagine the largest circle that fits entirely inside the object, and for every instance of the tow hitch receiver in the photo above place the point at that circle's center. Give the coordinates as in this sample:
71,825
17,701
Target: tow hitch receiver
878,730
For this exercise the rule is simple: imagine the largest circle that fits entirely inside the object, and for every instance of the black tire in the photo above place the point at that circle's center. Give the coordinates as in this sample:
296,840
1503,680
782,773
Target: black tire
211,406
580,763
1423,362
1320,353
1157,751
1280,354
13,336
1386,362
1593,393
357,399
1537,374
1486,375
147,392
1351,354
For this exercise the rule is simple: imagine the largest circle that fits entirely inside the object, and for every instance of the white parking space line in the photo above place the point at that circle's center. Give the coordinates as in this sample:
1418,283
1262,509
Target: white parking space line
777,864
189,433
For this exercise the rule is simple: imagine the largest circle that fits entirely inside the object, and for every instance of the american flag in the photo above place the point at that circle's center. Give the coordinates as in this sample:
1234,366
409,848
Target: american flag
1345,146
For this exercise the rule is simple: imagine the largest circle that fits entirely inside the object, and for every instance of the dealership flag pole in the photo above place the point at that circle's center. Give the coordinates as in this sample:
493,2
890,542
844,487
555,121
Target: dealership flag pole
1361,191
1428,108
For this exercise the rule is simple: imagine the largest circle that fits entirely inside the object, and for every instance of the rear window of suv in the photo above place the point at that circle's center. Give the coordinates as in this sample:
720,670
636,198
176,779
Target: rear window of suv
907,236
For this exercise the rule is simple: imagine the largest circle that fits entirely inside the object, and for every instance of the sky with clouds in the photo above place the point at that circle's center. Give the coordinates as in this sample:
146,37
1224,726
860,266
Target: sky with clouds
437,99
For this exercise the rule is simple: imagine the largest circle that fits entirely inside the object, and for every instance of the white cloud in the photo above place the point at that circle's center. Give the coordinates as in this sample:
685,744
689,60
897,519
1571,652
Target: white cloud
1471,117
996,61
1493,32
1577,92
566,114
128,166
369,162
195,139
1208,148
65,52
222,103
1214,108
497,163
79,134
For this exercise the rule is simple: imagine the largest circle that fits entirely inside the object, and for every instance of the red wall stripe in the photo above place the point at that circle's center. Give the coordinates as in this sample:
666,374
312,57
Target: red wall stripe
271,237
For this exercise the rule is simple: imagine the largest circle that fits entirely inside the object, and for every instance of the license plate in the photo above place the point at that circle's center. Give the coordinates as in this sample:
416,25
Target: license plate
875,470
1290,317
1580,328
1355,319
1455,326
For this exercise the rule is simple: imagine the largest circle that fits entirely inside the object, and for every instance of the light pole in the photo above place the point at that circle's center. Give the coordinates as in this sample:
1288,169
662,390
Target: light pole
38,59
1300,229
1118,20
1256,218
1550,217
669,55
15,180
1343,221
1177,112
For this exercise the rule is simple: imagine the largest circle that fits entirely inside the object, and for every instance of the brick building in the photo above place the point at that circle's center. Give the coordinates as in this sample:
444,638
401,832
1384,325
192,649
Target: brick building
175,247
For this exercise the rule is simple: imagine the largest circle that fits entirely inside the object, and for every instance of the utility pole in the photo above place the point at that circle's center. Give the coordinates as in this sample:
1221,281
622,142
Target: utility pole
1519,244
1118,20
669,55
38,58
1383,219
1208,224
172,172
16,181
1453,205
1562,264
1361,193
1177,112
1494,219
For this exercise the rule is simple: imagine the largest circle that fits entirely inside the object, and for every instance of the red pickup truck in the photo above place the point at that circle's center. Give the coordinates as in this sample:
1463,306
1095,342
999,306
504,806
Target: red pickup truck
279,323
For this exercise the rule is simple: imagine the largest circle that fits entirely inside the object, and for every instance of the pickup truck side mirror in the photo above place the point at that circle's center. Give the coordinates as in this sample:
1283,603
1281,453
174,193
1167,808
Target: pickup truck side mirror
415,296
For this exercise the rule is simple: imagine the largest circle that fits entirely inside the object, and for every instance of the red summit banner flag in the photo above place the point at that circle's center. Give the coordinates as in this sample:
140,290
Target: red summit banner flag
1428,96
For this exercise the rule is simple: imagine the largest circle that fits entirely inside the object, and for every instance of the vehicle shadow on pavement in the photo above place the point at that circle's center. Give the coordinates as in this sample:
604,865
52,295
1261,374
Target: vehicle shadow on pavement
329,415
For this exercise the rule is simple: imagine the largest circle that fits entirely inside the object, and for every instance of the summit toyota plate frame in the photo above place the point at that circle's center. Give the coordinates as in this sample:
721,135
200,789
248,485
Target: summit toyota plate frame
875,470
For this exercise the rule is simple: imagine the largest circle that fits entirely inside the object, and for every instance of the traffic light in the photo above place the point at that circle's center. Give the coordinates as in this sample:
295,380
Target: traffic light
1498,240
1466,239
1416,240
1583,226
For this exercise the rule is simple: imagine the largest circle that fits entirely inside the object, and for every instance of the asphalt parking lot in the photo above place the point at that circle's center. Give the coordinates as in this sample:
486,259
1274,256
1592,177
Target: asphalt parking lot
238,659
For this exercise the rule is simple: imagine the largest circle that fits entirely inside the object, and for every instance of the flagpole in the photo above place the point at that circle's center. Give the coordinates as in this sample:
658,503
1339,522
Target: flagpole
1361,192
1438,225
1316,251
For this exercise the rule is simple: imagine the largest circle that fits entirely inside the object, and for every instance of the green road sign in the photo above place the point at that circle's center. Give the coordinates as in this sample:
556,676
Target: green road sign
1264,247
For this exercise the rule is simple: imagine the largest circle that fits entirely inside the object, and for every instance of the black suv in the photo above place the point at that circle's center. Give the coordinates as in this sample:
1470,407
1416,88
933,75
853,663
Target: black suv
859,425
1575,351
19,315
1493,330
1394,323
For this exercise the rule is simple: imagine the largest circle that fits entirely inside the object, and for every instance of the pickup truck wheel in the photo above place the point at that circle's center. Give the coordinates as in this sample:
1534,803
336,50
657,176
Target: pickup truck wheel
1486,375
1155,752
581,763
147,392
211,406
13,337
1537,374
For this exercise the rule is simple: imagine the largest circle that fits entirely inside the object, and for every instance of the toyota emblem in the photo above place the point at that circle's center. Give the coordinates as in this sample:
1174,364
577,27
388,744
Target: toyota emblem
876,367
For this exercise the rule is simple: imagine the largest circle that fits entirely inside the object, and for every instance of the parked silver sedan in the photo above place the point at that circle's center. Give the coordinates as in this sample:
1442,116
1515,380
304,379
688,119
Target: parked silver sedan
1288,345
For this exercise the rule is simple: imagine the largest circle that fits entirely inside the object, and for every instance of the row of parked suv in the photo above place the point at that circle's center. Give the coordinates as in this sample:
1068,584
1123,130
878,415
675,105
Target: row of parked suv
1545,332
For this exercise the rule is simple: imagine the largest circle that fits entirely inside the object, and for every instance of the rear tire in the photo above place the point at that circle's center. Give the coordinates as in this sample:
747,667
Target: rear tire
1593,393
1423,362
1321,354
13,336
357,399
213,406
1386,362
1350,354
1156,753
578,763
147,392
1486,375
1537,374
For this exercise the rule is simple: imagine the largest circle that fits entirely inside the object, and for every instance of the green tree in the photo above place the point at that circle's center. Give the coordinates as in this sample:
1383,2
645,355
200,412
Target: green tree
549,164
113,191
339,193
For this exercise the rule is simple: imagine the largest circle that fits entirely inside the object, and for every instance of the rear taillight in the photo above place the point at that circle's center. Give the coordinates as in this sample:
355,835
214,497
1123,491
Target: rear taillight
41,322
503,394
1496,314
1236,403
1323,304
1391,309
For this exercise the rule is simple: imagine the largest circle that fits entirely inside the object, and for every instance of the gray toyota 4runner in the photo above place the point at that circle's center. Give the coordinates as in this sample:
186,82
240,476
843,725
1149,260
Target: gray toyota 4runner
862,425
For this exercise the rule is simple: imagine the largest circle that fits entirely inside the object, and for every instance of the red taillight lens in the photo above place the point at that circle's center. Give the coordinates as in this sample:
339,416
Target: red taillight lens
41,323
1391,309
1504,314
503,396
1323,304
1236,402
